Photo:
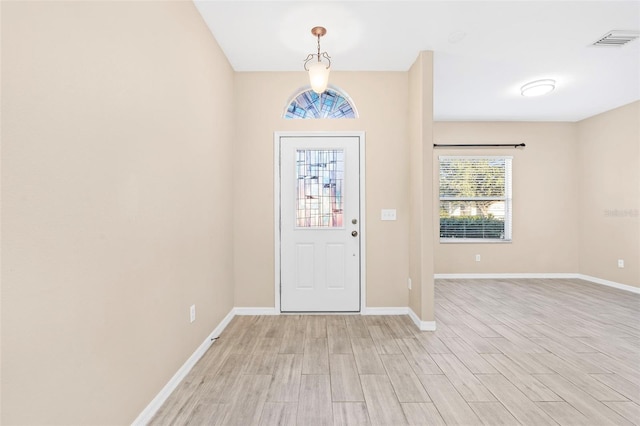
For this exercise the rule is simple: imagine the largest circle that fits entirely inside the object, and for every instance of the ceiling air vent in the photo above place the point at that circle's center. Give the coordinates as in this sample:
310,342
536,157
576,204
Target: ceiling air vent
616,38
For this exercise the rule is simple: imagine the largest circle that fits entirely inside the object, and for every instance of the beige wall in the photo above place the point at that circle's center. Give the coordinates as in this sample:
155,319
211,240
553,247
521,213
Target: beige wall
545,198
116,166
420,186
381,99
609,175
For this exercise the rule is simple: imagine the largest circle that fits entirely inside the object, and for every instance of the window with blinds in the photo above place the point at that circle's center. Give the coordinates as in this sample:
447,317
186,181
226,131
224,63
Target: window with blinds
475,199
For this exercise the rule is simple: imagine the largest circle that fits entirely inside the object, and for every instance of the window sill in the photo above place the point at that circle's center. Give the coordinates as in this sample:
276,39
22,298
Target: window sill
473,241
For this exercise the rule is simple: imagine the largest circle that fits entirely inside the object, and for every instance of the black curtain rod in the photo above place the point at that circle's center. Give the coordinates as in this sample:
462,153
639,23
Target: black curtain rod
480,145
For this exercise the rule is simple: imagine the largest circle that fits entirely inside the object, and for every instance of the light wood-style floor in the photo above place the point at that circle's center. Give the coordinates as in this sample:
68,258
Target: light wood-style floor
506,352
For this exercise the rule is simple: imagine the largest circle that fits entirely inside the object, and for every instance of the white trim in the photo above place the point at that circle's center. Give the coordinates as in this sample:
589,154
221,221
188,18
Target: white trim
276,218
276,208
474,157
312,313
363,223
422,325
150,410
240,311
385,311
503,276
608,283
558,275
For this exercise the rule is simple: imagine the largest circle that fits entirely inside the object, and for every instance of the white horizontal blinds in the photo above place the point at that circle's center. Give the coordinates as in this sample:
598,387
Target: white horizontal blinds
475,198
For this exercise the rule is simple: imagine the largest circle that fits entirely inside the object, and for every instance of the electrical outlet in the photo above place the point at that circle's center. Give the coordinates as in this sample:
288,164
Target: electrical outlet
620,263
477,258
409,283
192,313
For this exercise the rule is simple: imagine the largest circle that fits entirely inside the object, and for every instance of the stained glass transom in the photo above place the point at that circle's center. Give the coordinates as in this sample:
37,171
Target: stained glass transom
329,104
319,196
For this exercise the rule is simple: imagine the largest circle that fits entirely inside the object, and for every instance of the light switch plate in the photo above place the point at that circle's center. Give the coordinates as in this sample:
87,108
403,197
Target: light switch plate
388,214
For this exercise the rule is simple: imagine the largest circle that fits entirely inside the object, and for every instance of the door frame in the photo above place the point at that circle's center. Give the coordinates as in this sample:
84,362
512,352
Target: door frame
277,204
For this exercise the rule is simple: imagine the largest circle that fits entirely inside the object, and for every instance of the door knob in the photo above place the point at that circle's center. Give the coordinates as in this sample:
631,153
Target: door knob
354,233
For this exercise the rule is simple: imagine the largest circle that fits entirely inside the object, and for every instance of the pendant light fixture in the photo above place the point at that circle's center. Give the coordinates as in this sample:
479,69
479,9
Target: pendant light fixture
318,70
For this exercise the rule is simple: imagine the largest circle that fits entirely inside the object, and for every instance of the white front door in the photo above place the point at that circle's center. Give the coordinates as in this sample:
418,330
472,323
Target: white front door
319,224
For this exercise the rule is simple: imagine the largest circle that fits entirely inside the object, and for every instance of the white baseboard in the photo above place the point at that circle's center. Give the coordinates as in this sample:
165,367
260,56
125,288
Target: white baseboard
553,275
255,311
365,311
147,414
595,280
422,325
385,311
608,283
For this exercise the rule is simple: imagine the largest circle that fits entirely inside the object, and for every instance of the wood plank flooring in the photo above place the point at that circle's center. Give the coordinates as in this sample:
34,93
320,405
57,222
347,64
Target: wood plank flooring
506,352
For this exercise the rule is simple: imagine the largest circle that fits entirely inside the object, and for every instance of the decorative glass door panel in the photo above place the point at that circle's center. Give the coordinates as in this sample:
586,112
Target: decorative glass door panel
319,188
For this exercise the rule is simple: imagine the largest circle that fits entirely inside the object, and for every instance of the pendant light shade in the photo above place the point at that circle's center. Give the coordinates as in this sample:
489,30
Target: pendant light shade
318,77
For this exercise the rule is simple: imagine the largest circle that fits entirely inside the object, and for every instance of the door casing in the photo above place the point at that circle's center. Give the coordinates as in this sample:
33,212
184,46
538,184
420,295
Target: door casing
277,206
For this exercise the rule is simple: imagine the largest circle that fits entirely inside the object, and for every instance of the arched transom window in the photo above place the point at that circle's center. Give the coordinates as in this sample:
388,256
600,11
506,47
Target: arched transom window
330,104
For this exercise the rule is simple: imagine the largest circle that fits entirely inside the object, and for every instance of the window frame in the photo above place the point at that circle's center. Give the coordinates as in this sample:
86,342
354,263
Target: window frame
507,199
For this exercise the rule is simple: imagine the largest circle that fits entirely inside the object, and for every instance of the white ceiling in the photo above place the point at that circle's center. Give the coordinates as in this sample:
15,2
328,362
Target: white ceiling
503,45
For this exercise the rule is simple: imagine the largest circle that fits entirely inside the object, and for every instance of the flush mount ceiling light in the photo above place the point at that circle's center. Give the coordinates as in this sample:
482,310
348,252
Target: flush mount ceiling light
538,88
318,70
